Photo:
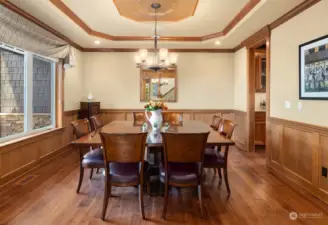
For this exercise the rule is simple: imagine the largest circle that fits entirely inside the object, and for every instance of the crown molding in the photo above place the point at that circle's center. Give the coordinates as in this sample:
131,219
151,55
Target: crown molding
181,50
69,13
265,31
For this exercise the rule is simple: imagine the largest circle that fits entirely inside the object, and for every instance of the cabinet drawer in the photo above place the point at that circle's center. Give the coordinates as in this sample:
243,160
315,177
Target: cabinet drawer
260,116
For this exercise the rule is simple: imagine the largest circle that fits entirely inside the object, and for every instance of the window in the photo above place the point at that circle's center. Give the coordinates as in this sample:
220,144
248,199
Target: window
27,93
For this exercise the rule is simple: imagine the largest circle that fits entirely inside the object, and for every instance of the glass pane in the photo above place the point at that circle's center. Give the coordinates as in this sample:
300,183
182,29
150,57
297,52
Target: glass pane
11,93
42,90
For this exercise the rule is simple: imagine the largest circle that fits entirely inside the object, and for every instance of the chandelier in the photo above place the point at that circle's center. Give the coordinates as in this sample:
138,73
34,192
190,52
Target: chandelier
159,59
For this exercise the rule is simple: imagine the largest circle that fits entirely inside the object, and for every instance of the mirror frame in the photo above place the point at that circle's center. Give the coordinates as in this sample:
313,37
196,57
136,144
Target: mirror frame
175,86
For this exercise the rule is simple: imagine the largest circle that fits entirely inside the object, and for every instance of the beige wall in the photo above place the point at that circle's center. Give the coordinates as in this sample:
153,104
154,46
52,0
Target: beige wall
73,83
240,80
284,65
205,80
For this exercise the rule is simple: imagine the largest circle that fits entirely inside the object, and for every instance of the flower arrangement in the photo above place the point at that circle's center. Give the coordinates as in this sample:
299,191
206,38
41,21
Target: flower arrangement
155,105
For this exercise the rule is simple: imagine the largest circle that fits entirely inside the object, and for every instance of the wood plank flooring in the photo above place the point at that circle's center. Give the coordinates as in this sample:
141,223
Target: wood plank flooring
47,196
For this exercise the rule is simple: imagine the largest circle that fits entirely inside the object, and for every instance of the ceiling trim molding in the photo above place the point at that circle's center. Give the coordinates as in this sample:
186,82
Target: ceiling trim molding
31,18
293,12
69,13
181,50
241,14
264,31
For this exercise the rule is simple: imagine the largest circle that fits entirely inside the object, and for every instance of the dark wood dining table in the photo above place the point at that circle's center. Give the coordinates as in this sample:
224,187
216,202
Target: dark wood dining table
154,139
154,143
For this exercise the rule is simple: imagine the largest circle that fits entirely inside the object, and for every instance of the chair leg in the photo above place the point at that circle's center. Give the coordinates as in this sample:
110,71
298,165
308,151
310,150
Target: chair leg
219,172
141,202
166,198
97,171
91,173
200,195
225,174
80,179
214,170
106,197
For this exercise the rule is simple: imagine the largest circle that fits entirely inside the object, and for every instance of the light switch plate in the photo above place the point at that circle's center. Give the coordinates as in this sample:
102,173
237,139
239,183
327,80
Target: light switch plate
287,104
300,106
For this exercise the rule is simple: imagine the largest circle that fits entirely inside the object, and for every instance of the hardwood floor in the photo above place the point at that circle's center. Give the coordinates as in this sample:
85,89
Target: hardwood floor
47,196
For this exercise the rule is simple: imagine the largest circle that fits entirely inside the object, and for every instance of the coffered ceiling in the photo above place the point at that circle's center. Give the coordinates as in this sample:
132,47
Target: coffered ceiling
183,23
170,10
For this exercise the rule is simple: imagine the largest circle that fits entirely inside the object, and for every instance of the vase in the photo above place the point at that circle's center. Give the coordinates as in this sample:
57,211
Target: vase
155,119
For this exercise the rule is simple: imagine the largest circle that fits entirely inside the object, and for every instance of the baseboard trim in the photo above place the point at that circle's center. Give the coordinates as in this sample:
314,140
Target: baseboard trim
297,182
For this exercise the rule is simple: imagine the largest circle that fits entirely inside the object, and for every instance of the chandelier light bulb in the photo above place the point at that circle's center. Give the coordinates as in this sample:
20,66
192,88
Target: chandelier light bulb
163,53
143,54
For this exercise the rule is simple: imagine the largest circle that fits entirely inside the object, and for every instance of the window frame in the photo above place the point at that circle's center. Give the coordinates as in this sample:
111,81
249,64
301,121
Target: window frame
28,93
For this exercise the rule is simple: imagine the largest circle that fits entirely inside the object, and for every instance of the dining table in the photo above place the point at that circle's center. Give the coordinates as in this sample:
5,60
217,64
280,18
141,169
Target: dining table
154,138
154,143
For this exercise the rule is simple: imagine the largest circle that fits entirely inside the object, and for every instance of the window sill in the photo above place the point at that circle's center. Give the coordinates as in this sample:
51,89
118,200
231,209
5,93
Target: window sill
30,137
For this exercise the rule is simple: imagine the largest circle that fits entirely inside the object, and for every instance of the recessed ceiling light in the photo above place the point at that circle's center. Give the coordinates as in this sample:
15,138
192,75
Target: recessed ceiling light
218,42
97,42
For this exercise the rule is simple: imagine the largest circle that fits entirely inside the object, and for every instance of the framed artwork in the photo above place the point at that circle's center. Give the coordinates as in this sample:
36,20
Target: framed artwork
313,69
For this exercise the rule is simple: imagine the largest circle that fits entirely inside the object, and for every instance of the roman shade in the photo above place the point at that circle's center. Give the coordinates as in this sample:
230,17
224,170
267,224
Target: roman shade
17,31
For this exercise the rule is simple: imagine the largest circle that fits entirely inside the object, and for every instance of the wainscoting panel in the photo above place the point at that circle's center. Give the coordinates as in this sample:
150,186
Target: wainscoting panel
22,155
298,152
297,146
240,134
323,162
276,143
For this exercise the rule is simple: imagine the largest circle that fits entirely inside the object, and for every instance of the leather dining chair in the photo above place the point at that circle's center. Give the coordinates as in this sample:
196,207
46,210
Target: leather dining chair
89,158
173,118
124,160
139,118
217,159
217,122
97,121
183,163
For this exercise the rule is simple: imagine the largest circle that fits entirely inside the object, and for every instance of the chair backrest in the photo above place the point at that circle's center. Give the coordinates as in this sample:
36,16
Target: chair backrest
97,121
227,128
184,148
173,118
81,128
123,148
216,122
139,118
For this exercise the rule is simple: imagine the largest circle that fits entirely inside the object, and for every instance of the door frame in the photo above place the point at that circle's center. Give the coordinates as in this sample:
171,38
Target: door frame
262,38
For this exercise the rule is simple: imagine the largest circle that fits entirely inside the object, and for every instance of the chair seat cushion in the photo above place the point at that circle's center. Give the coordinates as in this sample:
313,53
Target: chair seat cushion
213,160
93,158
210,151
181,173
124,172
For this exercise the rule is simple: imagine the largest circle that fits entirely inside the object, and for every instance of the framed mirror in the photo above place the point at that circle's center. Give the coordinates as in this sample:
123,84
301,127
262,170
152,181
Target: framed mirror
158,86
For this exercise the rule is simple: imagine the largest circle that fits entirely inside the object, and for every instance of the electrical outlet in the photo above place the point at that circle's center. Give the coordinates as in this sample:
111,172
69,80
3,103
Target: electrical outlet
324,172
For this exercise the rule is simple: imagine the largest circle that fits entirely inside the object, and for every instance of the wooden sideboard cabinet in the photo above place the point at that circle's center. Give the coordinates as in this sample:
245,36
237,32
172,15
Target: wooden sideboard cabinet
260,128
88,109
